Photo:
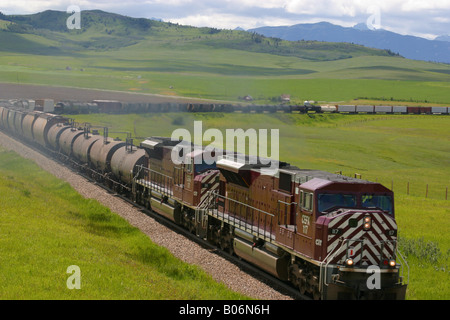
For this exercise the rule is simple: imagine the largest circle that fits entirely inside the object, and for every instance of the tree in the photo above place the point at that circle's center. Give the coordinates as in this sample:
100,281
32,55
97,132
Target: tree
4,17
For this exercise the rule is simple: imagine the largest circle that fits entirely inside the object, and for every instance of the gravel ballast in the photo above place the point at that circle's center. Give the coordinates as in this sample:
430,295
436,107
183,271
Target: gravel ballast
219,268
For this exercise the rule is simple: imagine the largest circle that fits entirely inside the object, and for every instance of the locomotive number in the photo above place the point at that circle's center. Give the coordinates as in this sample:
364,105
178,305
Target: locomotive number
306,223
306,219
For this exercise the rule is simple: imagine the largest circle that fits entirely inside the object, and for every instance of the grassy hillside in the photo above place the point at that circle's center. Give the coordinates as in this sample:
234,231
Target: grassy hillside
46,226
102,30
140,55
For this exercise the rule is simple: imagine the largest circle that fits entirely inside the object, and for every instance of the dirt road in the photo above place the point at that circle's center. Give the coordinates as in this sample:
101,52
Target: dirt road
28,91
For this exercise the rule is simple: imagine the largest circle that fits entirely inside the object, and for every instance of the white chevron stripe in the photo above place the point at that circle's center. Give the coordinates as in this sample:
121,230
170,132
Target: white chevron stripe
373,249
342,219
345,236
204,191
388,221
376,250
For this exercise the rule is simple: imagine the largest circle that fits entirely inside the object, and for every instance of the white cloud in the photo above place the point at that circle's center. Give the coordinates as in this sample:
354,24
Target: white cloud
230,21
404,16
420,6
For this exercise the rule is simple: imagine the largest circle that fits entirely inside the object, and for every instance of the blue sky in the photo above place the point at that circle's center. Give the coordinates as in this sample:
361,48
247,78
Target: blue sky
415,17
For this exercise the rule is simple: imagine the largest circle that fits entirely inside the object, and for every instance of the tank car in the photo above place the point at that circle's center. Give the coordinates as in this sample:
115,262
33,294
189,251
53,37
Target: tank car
3,109
28,123
18,119
101,153
4,118
42,125
83,144
14,121
10,119
54,134
67,139
1,116
126,162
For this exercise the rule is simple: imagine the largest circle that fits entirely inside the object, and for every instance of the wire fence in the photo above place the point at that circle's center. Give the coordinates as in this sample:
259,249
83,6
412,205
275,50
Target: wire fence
425,190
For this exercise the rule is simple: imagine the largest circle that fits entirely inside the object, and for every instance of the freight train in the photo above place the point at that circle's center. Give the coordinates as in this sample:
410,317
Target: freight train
331,236
117,107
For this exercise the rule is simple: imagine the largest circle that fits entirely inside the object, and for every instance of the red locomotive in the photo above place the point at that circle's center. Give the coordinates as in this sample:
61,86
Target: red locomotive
332,236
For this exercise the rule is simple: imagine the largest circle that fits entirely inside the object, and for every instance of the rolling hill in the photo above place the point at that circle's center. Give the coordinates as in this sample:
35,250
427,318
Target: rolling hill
115,52
102,30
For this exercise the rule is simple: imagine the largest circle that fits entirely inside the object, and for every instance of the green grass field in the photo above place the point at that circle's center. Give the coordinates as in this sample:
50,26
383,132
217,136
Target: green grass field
118,53
224,81
46,226
390,149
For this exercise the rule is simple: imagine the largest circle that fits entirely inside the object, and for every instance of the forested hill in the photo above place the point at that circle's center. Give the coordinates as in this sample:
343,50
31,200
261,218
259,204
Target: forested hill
105,31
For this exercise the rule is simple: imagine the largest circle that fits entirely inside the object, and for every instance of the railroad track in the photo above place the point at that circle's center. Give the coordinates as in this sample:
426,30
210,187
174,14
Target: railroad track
273,282
280,286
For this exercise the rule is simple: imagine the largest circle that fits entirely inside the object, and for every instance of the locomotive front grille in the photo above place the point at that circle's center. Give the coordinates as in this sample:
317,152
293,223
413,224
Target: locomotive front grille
365,239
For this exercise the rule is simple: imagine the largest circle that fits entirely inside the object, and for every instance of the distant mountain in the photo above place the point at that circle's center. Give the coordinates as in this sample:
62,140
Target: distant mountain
443,38
407,46
108,31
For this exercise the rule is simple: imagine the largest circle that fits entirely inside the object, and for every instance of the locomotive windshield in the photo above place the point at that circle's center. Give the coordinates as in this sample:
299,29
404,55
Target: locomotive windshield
200,168
336,200
377,201
328,201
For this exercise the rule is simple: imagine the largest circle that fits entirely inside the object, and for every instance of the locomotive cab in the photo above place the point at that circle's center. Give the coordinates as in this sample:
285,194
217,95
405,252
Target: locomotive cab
355,238
195,177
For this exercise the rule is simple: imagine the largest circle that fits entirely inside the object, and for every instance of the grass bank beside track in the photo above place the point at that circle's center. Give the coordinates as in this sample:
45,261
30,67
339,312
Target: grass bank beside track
390,149
46,226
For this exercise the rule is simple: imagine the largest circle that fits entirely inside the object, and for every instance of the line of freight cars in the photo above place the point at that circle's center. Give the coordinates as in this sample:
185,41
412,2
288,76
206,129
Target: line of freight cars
110,161
384,109
121,107
117,107
331,236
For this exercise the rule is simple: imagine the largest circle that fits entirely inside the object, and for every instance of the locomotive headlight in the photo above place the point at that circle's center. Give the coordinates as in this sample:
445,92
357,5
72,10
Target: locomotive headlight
392,263
367,223
349,262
